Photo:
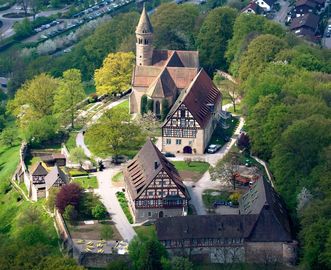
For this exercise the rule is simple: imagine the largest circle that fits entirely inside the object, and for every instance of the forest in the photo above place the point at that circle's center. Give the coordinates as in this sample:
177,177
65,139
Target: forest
285,83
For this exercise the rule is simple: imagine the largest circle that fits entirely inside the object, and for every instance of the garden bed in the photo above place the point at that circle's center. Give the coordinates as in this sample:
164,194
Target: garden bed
147,231
210,196
125,206
105,230
86,182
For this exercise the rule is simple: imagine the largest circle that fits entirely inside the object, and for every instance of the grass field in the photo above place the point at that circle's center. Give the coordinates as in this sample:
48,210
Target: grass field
12,204
86,182
193,171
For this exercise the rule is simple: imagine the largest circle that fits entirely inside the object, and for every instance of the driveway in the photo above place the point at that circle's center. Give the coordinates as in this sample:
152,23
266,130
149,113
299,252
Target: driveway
107,195
281,15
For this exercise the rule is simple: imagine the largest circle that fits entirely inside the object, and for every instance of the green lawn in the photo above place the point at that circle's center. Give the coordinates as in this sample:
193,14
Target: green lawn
71,141
145,231
124,204
86,182
118,177
122,106
195,166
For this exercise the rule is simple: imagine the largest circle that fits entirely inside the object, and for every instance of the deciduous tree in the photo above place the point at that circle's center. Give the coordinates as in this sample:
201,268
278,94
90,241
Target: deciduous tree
115,74
68,194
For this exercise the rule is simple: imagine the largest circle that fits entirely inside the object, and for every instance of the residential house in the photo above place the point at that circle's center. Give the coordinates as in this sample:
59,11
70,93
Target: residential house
251,8
266,5
191,121
306,26
260,233
38,187
55,178
304,6
51,160
154,187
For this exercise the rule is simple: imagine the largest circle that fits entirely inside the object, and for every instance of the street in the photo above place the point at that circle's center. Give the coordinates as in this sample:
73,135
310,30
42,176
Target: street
281,15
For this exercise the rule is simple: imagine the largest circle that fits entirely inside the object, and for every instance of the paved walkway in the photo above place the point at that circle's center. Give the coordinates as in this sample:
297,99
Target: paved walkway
80,137
107,194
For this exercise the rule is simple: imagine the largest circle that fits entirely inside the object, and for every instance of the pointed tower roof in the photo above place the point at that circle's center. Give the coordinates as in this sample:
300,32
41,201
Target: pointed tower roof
144,26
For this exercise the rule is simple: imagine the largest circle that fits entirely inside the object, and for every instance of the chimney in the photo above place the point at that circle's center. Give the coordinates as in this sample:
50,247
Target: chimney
156,165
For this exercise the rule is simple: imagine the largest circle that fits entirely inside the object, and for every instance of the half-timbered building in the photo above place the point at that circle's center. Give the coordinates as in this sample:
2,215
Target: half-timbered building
193,118
154,187
38,187
55,179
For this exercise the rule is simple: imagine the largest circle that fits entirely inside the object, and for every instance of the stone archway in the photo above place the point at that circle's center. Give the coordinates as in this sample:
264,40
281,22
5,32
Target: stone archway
187,150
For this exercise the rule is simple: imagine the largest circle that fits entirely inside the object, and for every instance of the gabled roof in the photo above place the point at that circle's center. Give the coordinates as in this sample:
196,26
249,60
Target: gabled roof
308,20
39,170
144,26
307,3
269,2
141,171
208,226
201,92
55,174
176,58
253,6
163,86
264,201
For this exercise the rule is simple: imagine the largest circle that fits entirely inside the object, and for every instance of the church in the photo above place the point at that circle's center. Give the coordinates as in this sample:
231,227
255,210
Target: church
171,83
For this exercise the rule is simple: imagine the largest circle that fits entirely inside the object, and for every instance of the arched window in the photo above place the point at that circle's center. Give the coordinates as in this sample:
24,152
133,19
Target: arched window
145,41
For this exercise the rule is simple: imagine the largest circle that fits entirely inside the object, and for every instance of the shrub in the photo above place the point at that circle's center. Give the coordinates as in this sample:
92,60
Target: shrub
99,211
143,105
150,105
70,214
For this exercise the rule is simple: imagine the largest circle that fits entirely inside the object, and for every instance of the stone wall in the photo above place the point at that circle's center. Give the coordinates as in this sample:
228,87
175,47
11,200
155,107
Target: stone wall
144,214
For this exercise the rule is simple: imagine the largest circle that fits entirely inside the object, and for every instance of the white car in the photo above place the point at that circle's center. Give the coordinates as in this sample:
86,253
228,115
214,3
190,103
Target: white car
213,148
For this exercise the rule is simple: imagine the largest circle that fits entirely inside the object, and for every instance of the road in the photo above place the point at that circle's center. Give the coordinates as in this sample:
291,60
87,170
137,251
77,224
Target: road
281,15
107,195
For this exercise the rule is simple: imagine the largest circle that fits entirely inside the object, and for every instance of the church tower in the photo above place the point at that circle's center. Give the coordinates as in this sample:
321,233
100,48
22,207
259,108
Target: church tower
144,35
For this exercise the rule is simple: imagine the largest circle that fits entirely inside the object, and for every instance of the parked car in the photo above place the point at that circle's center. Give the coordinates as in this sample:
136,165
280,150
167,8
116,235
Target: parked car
119,159
168,154
213,148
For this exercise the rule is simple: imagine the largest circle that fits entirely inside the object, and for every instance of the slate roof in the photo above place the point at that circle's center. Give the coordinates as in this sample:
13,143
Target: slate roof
144,24
208,226
171,58
39,170
308,20
201,91
55,174
141,171
262,218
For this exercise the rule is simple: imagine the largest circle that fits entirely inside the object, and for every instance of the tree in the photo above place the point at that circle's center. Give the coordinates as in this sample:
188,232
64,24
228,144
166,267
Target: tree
213,37
119,264
150,105
171,33
23,29
50,202
69,93
243,141
8,137
226,169
177,263
149,124
165,109
229,89
115,133
31,215
68,194
34,100
78,155
146,254
70,214
143,105
99,211
115,74
261,50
